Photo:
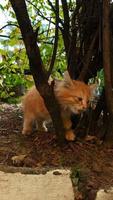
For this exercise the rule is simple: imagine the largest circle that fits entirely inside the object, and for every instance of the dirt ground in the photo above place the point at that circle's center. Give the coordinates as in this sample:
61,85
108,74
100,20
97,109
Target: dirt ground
91,163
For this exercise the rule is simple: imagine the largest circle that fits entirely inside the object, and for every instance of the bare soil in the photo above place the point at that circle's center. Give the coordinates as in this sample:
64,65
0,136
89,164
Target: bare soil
91,162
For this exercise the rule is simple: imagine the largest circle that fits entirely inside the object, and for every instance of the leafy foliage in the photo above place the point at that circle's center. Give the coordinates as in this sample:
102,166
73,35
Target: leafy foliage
12,51
11,74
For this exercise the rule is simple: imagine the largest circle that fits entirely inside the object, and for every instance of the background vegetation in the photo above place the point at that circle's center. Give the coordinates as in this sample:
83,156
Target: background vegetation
14,62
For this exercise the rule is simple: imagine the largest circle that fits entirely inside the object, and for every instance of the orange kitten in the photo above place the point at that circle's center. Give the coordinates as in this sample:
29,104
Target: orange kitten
73,97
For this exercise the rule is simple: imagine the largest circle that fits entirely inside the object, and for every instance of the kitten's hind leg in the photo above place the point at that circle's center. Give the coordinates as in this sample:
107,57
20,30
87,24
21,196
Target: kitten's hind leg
41,126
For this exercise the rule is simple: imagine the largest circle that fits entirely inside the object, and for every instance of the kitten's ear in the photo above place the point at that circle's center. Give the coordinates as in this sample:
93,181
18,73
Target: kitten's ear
67,79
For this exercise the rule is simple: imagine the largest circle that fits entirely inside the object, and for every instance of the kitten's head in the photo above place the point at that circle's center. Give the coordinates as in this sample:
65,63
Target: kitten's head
73,95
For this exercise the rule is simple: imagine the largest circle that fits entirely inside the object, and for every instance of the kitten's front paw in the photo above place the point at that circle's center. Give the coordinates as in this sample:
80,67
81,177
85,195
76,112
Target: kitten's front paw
26,132
70,136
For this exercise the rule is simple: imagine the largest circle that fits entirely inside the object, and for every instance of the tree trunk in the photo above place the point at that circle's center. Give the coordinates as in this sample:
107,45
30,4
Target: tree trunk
37,68
107,72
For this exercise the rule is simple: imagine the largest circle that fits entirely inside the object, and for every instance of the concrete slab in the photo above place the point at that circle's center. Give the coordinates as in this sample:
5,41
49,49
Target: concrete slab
105,194
54,185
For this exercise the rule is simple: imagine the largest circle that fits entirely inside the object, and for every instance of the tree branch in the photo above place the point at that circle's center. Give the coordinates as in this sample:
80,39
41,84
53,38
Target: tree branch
55,11
56,39
65,30
87,59
66,14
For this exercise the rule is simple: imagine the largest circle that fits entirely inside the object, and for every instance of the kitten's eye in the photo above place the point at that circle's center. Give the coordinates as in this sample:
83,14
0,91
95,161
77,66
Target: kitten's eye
80,98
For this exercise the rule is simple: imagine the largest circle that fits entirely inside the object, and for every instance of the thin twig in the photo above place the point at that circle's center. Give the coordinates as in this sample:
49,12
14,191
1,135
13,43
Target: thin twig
5,36
8,25
39,12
